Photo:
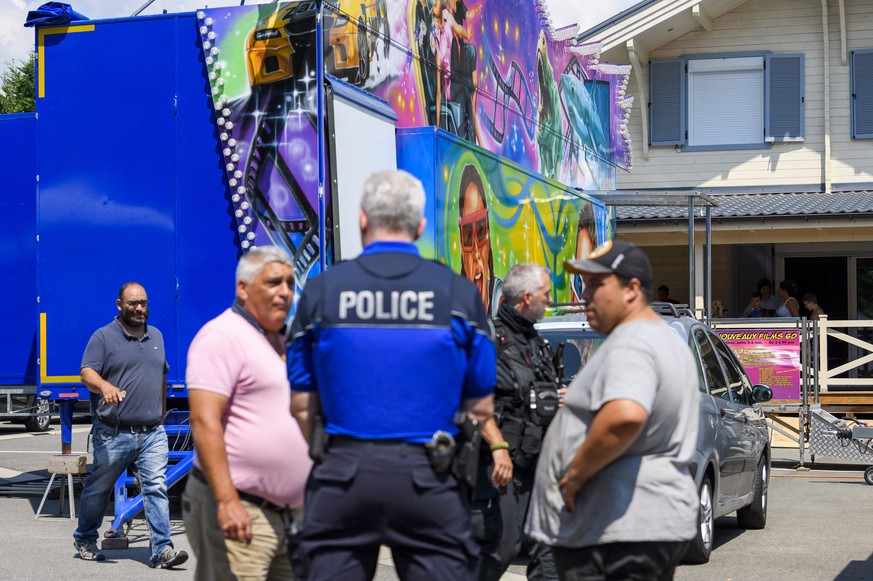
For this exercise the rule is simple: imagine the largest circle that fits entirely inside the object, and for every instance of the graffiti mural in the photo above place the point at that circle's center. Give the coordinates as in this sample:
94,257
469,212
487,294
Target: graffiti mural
501,78
261,70
493,73
487,214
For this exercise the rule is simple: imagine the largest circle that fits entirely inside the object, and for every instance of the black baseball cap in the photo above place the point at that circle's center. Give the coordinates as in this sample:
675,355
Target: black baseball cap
615,257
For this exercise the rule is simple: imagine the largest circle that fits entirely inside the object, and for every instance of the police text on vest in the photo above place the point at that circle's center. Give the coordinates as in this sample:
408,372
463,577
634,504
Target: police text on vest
407,305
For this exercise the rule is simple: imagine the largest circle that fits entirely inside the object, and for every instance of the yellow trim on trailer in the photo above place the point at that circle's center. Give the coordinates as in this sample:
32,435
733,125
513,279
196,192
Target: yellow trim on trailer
44,377
40,59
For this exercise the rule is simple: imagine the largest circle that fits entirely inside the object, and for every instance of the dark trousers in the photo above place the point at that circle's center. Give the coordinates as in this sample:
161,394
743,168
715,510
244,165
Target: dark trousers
363,496
498,553
641,561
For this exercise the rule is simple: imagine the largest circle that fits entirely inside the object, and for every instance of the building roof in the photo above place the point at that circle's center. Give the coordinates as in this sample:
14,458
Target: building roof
651,24
594,31
744,206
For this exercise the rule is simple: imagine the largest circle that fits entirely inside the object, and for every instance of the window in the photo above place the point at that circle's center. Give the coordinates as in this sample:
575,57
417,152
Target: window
701,380
575,348
715,379
861,64
727,101
739,384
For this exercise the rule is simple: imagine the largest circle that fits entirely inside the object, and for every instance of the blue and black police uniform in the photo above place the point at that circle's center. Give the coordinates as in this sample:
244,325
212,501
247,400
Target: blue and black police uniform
391,343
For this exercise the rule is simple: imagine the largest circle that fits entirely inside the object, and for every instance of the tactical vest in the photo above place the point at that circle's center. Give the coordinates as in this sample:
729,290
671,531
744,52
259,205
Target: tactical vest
526,392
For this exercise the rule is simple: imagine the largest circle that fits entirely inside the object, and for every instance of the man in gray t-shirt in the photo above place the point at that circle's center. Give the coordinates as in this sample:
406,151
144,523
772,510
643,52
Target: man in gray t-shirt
613,494
124,364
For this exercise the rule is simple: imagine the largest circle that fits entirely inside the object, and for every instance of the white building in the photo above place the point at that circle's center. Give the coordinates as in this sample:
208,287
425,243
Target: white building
766,106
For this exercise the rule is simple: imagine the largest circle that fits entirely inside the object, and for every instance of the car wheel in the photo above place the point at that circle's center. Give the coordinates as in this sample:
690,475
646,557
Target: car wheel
868,475
754,516
43,418
701,547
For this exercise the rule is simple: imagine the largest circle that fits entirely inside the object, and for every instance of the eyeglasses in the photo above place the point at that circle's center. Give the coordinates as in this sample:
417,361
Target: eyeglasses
134,304
474,229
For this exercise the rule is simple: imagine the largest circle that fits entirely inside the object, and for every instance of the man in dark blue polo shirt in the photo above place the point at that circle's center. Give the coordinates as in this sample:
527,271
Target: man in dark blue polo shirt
124,363
390,346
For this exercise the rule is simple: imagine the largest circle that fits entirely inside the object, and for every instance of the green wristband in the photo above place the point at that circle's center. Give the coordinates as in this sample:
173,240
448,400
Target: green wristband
504,445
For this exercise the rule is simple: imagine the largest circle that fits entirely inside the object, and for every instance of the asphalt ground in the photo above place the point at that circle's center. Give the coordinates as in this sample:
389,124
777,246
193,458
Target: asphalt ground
42,549
820,525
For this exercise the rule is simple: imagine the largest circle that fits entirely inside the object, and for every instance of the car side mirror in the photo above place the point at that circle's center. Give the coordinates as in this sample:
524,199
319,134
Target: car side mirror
762,393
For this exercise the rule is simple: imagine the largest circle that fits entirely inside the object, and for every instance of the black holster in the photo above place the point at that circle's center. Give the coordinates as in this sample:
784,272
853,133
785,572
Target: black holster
466,464
441,451
317,438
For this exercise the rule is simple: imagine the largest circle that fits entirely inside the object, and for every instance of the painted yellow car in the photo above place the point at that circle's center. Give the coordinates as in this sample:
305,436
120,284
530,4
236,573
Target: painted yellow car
275,40
353,32
283,41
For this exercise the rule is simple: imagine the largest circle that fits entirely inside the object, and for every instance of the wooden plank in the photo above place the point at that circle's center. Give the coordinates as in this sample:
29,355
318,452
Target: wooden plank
853,398
68,464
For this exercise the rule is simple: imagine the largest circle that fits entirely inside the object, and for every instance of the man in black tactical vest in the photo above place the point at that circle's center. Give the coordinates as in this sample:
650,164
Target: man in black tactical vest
526,398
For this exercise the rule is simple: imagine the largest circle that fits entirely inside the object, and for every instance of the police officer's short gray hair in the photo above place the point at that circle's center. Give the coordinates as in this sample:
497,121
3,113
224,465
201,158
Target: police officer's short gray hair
522,278
256,259
393,200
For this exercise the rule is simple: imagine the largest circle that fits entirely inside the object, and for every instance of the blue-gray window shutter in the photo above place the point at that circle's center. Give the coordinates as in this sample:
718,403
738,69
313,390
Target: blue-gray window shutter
862,93
783,79
667,102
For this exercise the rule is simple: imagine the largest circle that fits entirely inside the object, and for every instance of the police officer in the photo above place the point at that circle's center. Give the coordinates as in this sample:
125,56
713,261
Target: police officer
525,399
387,348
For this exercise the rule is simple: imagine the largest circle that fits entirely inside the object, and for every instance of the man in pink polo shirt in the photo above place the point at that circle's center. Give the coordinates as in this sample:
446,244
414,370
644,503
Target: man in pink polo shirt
252,461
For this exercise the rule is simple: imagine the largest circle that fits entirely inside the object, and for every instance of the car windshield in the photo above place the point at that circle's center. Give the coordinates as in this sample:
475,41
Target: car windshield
575,346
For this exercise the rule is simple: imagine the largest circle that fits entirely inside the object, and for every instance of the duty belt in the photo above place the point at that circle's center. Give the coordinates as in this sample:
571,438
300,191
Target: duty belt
378,446
262,503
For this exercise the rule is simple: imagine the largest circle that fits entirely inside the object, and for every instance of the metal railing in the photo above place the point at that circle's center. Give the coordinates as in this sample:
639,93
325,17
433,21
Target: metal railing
857,364
843,384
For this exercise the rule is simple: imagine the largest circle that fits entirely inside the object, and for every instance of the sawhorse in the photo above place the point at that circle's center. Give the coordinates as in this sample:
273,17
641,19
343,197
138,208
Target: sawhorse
65,463
69,465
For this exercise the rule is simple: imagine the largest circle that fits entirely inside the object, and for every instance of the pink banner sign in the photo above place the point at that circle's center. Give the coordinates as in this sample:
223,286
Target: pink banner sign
770,357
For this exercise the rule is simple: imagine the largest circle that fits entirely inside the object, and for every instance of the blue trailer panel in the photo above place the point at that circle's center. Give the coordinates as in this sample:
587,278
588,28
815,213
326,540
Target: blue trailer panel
18,309
131,188
106,204
207,244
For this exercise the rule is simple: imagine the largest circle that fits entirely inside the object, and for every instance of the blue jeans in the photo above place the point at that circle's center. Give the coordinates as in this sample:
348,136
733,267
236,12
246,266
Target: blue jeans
114,451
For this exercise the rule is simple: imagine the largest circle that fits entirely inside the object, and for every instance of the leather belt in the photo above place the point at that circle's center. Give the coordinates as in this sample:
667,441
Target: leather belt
261,503
133,429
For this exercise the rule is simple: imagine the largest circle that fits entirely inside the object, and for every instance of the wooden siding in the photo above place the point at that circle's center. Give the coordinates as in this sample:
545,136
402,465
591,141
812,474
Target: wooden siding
780,26
670,266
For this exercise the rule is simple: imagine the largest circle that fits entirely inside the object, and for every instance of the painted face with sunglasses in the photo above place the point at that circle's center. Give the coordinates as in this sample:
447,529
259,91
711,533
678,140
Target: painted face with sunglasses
475,239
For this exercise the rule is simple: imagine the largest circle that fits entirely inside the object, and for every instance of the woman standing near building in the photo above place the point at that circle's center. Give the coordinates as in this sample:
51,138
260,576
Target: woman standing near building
789,307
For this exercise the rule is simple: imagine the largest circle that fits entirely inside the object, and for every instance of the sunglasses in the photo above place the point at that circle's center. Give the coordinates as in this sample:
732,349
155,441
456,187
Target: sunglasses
474,229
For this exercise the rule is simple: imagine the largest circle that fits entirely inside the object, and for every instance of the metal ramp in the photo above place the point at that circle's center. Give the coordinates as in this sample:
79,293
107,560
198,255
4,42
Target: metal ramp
126,507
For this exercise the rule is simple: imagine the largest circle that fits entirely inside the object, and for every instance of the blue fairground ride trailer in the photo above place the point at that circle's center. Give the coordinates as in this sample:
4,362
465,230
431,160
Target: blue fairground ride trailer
18,356
163,147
